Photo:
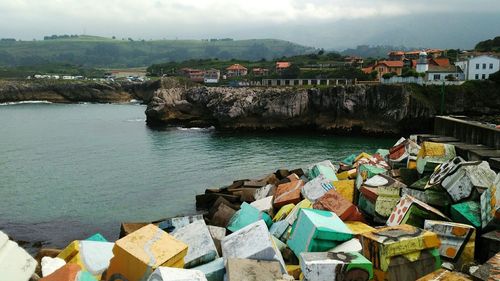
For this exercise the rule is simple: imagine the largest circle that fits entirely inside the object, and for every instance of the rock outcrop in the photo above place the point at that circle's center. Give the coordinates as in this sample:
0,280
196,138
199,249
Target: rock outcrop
354,108
75,91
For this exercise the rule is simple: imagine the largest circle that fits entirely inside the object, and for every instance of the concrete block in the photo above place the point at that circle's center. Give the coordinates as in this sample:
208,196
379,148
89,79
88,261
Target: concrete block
283,212
176,274
316,188
334,202
69,272
489,271
222,215
201,247
381,245
468,212
349,246
263,192
171,224
279,228
414,212
444,275
217,233
214,270
247,215
358,228
138,254
489,245
49,265
264,204
345,188
457,241
92,256
292,216
252,242
432,154
288,193
316,231
15,263
490,206
252,270
325,168
327,266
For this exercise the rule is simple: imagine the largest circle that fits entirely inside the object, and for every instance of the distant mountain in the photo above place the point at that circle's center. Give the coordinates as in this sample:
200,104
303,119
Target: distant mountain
93,51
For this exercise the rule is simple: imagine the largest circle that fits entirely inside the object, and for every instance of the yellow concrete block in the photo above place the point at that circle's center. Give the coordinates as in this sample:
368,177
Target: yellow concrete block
430,149
138,254
358,228
283,212
361,156
345,188
412,164
70,254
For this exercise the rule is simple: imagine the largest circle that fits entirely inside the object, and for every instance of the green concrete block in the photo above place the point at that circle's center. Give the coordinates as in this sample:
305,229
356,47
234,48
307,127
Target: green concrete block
468,212
247,215
317,231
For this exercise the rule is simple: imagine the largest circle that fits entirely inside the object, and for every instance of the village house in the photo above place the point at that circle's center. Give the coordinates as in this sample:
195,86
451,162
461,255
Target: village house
353,61
195,75
386,66
282,65
444,73
236,70
211,76
479,67
260,71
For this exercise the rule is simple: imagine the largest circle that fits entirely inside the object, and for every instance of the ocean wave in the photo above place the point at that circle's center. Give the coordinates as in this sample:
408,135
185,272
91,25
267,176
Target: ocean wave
196,129
135,101
137,120
26,102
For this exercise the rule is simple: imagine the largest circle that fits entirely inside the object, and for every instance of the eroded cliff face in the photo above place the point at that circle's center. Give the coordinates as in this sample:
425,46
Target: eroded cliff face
369,109
75,91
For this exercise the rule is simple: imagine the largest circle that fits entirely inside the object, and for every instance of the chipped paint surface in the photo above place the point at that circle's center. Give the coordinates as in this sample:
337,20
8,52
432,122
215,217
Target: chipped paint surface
409,206
457,240
490,205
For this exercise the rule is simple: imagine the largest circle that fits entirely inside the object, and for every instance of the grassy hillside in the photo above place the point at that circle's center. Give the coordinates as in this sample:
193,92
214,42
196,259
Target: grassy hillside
92,51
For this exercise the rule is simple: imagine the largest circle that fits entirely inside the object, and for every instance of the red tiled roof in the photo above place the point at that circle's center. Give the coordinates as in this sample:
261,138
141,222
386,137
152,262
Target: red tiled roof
282,64
236,67
442,61
391,63
396,53
367,70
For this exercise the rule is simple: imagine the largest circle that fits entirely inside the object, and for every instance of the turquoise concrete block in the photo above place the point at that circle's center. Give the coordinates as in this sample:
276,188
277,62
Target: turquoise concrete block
247,215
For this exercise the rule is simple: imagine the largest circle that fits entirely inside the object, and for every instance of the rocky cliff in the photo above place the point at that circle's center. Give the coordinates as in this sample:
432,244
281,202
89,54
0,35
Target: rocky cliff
355,108
75,91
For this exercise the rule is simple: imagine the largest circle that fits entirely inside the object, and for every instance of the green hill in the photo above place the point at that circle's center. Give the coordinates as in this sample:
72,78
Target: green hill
490,45
93,51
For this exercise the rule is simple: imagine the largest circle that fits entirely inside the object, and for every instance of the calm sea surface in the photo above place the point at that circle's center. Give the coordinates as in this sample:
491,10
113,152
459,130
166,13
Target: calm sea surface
68,171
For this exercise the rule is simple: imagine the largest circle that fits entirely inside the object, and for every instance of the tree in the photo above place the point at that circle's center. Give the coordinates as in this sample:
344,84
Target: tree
113,37
389,75
321,52
495,77
291,72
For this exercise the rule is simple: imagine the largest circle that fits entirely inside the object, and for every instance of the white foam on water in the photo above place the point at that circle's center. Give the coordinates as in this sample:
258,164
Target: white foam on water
26,102
137,120
196,129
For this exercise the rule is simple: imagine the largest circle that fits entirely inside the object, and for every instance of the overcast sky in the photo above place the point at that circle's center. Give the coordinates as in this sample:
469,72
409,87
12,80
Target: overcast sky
319,23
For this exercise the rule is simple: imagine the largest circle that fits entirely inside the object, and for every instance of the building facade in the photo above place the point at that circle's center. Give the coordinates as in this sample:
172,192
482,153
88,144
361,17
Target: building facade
479,67
236,70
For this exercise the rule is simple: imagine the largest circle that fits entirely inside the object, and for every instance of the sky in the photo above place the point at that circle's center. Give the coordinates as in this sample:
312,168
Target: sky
329,24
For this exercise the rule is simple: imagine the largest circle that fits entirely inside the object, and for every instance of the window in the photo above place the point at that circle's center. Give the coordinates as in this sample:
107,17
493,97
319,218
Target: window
437,76
477,76
483,77
484,66
477,65
491,66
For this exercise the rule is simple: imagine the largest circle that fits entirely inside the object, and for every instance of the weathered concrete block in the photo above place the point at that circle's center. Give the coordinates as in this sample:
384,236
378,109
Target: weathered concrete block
292,216
279,228
316,188
334,202
432,154
263,192
490,245
247,215
444,275
489,271
171,224
201,247
49,265
264,204
176,274
327,266
252,270
217,233
384,244
414,212
253,242
288,193
358,228
457,241
214,270
283,212
353,245
345,188
490,206
222,215
325,168
15,263
316,231
138,254
468,212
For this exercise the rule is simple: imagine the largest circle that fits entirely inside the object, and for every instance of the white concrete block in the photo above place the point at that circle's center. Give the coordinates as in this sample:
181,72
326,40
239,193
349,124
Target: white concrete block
49,265
176,274
15,263
201,247
96,255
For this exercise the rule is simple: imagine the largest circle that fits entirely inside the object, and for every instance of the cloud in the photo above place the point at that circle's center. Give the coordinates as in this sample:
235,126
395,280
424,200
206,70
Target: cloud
215,18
